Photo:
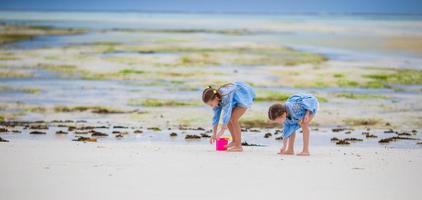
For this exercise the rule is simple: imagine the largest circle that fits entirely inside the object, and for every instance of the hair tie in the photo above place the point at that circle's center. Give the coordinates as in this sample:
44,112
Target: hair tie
209,86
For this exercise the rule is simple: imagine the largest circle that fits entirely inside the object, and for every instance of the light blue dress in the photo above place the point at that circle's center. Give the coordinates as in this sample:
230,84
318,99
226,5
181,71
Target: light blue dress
233,95
297,106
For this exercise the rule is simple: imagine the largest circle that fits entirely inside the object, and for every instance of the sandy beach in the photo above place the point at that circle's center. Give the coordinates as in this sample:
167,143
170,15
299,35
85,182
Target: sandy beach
143,170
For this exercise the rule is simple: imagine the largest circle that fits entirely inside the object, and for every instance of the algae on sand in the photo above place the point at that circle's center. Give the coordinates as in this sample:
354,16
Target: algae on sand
256,122
161,103
14,74
93,109
243,55
19,89
263,96
362,121
358,77
351,95
13,33
398,76
271,96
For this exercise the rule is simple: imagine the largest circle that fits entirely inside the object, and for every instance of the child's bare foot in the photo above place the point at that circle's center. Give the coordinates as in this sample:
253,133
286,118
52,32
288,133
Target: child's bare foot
281,151
289,152
286,152
231,144
303,153
235,149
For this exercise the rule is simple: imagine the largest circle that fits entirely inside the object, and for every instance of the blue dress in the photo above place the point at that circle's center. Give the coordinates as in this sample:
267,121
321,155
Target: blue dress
297,106
233,95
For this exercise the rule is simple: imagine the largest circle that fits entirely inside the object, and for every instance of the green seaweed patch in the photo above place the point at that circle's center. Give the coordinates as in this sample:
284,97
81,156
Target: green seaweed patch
263,96
105,46
271,96
15,33
21,90
72,71
287,57
300,57
14,74
104,43
375,84
202,59
229,55
161,103
35,109
8,55
257,123
93,109
351,95
181,74
170,40
10,37
362,121
347,83
322,99
398,76
130,71
62,68
338,75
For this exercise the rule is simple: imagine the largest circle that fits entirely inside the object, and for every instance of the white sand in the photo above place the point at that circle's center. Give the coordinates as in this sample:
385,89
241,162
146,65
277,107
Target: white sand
72,170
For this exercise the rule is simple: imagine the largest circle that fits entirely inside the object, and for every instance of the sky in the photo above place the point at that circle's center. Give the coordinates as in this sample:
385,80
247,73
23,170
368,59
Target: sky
254,6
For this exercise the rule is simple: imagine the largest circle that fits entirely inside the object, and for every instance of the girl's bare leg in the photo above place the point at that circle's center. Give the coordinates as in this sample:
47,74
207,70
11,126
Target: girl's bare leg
231,130
290,148
236,114
306,133
305,151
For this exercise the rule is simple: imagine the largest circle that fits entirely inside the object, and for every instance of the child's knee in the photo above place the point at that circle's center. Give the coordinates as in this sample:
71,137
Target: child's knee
233,121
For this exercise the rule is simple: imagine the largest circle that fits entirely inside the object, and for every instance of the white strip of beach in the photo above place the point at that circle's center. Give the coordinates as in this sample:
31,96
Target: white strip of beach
49,169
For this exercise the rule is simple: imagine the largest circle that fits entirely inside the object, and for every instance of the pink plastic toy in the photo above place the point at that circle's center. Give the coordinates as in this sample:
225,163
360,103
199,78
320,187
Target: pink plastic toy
221,144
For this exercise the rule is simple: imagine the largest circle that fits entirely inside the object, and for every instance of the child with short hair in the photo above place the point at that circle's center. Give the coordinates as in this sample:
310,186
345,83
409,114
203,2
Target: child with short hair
297,112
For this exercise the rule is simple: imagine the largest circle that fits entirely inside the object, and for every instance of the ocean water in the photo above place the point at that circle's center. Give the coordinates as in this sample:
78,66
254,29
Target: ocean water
343,37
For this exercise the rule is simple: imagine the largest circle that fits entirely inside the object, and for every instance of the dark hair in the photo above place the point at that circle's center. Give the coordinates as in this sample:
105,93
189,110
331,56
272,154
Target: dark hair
210,93
276,110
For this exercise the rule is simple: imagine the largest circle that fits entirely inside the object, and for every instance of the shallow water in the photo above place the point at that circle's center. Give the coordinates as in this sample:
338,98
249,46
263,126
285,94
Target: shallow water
359,35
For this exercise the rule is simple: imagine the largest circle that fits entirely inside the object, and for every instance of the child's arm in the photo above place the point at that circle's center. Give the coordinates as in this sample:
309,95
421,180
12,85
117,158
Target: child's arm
215,120
214,134
284,147
305,128
221,132
216,116
227,113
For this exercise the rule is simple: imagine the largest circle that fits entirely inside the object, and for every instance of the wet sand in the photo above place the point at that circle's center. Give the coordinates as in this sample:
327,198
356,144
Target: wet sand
72,170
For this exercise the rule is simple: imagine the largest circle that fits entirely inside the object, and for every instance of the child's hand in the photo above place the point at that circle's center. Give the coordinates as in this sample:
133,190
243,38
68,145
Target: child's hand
212,139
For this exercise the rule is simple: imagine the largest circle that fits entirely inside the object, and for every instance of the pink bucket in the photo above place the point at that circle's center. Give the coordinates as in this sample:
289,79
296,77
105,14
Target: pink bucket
221,144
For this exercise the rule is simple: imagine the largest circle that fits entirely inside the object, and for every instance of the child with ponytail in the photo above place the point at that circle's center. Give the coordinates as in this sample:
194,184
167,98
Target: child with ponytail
233,100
